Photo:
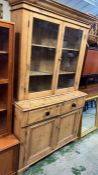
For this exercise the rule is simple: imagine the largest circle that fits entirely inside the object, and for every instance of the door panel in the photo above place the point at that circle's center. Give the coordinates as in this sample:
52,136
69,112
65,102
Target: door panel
39,140
69,127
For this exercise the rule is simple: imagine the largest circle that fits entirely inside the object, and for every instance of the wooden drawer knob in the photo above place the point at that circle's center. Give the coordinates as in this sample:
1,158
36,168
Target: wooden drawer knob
74,105
47,113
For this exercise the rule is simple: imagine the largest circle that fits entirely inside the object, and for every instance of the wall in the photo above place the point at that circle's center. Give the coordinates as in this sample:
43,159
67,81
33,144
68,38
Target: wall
6,10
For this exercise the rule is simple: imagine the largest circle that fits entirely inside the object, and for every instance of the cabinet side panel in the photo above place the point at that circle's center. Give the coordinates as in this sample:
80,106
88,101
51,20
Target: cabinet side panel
21,37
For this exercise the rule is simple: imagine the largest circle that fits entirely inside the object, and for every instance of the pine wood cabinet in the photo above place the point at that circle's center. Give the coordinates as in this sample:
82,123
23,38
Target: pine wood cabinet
6,76
45,137
43,127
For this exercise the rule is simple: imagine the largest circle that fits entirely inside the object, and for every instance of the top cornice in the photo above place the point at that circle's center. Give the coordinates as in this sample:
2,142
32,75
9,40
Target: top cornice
57,8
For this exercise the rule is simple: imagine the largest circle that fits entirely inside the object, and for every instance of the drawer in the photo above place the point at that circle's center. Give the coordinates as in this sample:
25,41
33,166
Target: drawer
72,105
44,113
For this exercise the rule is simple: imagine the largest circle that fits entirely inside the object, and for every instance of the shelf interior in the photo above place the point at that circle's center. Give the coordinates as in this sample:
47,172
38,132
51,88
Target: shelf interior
44,33
3,97
72,38
41,70
3,67
42,59
4,38
40,83
69,61
3,121
66,80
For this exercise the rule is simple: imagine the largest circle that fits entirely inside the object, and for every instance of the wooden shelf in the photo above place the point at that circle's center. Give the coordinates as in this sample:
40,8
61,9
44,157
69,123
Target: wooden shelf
39,73
77,50
66,73
3,52
42,45
3,81
2,109
7,142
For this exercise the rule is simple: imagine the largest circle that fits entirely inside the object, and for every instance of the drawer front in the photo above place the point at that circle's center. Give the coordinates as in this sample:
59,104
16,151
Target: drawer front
72,105
44,113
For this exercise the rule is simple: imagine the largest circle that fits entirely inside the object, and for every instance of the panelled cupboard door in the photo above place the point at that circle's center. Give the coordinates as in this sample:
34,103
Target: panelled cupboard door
68,128
39,141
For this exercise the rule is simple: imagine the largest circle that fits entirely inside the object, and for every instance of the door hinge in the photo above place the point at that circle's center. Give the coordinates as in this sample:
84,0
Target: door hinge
25,134
24,90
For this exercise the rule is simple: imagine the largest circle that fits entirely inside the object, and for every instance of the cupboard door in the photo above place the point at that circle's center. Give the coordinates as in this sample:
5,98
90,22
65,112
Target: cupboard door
68,128
43,52
39,141
9,161
69,57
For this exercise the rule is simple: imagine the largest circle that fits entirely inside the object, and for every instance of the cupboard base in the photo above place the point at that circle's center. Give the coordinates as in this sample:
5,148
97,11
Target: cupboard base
45,125
35,161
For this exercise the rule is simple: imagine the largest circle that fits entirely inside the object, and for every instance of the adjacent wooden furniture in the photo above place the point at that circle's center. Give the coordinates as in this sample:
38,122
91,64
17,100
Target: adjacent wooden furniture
9,145
50,47
9,148
89,78
6,76
91,62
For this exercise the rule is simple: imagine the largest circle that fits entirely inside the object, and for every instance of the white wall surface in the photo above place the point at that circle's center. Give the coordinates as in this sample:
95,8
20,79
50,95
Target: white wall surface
6,10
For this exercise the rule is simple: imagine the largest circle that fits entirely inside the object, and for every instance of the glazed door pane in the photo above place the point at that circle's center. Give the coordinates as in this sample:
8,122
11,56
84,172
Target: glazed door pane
4,49
44,41
69,58
4,77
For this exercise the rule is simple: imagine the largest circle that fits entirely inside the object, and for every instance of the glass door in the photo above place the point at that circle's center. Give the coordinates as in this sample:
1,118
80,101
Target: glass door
4,78
43,50
69,57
